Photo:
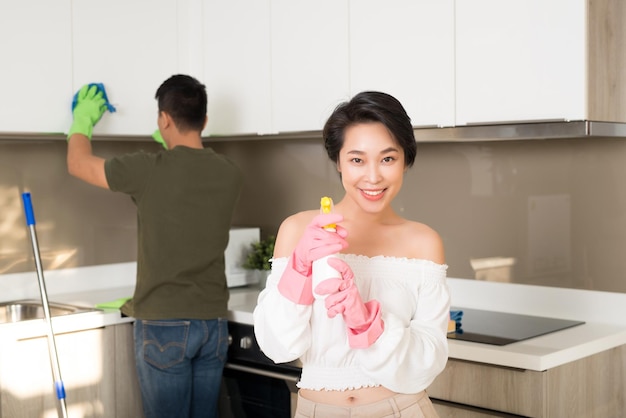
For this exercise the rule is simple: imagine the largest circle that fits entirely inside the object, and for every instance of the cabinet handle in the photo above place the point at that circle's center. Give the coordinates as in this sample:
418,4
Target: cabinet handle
262,372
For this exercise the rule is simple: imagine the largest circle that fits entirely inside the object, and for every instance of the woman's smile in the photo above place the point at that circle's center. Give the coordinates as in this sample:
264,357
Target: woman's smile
373,195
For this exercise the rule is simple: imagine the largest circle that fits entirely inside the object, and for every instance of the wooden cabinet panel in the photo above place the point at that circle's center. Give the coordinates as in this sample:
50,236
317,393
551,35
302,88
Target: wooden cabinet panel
450,410
498,388
607,59
592,387
36,82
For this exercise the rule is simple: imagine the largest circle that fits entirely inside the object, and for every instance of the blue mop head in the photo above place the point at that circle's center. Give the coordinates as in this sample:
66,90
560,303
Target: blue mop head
100,87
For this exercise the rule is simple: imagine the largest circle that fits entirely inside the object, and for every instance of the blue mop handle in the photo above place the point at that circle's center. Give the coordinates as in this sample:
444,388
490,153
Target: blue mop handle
54,359
60,389
28,209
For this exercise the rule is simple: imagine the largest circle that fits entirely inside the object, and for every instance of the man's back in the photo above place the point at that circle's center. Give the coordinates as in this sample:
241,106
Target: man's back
185,199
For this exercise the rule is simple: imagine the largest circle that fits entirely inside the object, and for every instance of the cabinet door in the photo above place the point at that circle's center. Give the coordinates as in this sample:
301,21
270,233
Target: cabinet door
36,82
127,391
131,47
310,60
406,48
237,66
490,387
520,60
452,410
86,363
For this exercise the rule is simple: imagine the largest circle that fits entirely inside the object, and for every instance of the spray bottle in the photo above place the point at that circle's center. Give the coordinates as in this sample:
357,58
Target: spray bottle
321,270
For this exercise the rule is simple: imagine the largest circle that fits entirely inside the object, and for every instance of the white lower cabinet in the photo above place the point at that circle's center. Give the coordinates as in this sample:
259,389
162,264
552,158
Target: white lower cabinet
97,369
589,387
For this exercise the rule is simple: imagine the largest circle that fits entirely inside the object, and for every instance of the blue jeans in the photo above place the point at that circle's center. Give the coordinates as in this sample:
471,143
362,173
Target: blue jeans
179,366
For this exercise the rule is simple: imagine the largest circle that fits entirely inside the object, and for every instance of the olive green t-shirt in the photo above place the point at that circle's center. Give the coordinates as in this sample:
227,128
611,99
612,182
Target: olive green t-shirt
185,199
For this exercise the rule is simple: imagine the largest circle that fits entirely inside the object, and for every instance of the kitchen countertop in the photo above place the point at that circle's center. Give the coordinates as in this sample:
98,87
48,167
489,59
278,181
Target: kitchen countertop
604,327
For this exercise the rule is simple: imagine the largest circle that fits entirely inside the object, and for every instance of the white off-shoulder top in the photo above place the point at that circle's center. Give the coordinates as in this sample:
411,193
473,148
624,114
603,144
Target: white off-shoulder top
406,358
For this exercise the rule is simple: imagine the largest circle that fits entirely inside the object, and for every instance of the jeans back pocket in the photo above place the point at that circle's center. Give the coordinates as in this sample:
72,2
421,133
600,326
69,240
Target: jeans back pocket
165,342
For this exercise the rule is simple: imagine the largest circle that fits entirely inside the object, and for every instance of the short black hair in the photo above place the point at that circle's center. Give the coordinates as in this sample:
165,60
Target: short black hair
369,107
184,99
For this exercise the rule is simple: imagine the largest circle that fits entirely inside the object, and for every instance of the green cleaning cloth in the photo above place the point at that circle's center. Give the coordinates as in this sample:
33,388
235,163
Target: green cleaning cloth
114,304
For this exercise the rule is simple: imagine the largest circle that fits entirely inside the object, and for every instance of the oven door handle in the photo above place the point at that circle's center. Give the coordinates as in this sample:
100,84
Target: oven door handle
261,372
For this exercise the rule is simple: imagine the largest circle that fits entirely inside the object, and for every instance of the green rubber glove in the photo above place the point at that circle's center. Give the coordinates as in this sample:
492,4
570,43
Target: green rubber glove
90,107
158,138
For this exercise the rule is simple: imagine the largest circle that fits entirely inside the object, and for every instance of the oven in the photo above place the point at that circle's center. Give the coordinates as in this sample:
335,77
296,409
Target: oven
252,384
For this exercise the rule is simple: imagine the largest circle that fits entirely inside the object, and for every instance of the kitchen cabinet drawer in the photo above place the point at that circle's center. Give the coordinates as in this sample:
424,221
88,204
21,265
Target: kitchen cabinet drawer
486,386
451,410
591,387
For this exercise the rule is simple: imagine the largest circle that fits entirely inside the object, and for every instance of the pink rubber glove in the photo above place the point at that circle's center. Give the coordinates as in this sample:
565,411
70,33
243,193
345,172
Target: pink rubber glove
296,282
363,320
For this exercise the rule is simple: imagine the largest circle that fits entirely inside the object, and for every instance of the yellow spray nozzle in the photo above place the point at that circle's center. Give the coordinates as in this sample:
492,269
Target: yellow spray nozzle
326,205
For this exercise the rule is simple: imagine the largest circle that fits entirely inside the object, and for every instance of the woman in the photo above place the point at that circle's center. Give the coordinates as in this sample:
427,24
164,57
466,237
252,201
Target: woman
373,340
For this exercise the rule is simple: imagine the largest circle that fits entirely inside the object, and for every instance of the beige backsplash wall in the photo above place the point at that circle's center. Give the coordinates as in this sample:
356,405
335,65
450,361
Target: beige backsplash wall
539,212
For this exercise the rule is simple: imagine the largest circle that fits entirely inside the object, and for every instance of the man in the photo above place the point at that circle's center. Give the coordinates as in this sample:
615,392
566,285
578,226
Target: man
185,197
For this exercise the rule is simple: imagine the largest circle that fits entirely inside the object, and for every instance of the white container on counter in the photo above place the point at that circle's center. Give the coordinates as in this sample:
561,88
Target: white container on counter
239,246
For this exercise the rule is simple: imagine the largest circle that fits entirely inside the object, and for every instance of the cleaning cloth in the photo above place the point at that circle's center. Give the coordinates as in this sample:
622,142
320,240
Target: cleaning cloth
100,88
114,304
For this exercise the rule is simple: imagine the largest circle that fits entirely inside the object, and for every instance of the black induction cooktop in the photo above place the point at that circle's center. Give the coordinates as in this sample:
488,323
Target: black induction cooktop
500,328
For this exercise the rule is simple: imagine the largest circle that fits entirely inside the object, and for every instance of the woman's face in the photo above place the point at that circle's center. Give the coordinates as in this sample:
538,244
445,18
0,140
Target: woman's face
371,163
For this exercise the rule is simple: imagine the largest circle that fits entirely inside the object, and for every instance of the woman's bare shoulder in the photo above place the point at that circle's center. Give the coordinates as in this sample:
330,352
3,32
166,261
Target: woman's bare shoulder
424,242
290,232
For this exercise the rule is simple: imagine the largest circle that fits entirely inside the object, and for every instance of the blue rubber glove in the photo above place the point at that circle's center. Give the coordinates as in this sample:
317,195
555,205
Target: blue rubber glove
159,138
90,106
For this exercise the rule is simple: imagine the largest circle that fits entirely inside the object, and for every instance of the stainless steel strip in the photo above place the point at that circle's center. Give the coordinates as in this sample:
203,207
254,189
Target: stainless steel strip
497,131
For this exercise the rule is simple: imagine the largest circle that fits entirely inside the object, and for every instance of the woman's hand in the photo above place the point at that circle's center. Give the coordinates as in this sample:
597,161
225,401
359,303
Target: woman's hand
296,282
317,242
363,320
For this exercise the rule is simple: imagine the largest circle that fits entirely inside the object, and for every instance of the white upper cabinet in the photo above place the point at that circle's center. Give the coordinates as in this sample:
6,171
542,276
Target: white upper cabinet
276,66
36,82
520,60
131,47
406,48
237,65
310,62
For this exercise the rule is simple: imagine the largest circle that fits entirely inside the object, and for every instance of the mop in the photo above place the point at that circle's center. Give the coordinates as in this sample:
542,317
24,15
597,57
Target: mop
52,350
